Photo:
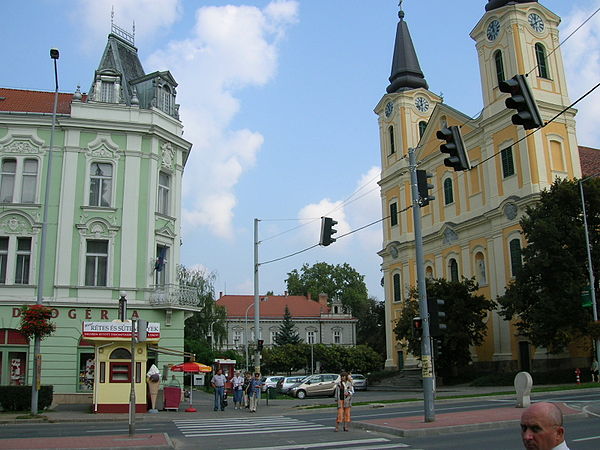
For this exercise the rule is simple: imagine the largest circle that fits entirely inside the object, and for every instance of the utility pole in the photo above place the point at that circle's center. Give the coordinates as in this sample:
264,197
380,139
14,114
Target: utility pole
256,300
427,373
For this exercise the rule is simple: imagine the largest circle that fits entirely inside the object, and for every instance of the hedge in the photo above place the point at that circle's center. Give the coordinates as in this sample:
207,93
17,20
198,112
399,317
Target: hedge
18,398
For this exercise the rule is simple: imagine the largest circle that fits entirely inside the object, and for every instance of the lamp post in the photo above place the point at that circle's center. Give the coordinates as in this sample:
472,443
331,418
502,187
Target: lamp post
35,385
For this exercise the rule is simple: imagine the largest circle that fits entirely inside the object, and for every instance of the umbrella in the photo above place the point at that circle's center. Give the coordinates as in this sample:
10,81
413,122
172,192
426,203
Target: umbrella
191,367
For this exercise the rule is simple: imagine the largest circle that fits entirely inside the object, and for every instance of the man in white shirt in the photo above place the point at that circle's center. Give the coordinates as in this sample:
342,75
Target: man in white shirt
542,427
218,383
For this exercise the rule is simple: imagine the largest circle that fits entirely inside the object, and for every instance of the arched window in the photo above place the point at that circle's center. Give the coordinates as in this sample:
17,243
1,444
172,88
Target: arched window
392,144
422,127
429,272
480,269
120,353
542,62
397,288
448,192
499,66
453,268
515,256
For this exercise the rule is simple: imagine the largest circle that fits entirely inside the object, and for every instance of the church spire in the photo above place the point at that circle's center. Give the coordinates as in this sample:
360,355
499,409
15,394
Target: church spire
406,71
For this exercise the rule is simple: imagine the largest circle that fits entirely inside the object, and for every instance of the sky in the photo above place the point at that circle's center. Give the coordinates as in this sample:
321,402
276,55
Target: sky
277,98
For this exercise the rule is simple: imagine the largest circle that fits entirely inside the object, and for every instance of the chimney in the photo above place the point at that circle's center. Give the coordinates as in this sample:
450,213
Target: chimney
220,294
323,300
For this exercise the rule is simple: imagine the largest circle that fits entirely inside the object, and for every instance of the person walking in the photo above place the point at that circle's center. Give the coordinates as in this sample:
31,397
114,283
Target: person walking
594,370
343,395
218,383
245,386
238,384
254,391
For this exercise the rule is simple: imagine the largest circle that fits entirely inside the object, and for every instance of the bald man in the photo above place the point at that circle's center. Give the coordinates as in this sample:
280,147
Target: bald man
542,427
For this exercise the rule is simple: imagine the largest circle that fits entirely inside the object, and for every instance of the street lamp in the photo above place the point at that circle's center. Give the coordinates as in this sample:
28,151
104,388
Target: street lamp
54,54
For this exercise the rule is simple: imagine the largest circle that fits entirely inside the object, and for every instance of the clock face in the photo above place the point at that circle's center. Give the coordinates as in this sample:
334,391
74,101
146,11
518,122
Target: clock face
536,22
422,104
493,30
389,108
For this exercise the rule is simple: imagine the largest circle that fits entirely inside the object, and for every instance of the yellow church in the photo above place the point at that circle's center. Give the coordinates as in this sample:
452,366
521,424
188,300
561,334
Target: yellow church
472,229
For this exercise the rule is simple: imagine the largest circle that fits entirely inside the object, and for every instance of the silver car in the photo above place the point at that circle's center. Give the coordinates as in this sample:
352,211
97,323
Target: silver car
286,383
359,382
270,382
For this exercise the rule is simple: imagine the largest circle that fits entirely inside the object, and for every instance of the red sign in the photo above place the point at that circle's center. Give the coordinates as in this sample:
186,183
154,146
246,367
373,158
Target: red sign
110,330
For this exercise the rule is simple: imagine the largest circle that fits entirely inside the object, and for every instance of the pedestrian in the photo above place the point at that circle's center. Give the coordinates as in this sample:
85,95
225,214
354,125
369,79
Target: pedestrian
542,427
246,385
218,383
594,370
343,395
254,391
238,384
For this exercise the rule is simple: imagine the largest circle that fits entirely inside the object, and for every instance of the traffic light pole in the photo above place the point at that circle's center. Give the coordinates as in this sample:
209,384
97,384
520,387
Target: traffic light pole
256,300
427,373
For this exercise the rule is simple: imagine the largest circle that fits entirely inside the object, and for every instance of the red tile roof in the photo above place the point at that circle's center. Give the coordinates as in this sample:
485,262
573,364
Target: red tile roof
273,307
18,100
590,161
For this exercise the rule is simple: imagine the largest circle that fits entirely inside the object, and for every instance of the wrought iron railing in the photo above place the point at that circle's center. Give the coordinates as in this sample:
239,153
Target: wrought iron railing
174,295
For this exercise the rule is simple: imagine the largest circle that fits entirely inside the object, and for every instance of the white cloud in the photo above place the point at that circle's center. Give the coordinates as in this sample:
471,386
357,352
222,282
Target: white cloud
581,55
230,48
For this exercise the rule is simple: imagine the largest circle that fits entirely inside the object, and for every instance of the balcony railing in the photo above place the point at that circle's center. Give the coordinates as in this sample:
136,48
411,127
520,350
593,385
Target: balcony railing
173,295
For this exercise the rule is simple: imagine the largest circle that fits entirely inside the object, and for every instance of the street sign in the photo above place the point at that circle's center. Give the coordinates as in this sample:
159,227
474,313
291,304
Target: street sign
586,297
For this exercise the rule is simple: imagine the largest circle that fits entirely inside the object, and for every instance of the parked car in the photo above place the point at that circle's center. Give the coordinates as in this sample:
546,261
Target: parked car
359,382
286,383
315,385
270,382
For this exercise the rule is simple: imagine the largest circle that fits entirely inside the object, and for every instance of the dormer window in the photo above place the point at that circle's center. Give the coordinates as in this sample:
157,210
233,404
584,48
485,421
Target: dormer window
107,87
107,94
167,99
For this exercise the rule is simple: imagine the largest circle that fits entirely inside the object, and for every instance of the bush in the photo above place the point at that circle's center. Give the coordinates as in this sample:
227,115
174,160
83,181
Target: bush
18,398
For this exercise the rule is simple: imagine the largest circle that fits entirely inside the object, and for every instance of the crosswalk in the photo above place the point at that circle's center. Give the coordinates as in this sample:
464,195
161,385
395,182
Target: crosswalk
244,426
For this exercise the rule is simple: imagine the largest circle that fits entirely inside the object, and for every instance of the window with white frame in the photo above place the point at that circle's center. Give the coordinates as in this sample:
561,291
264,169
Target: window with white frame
273,336
23,260
337,336
96,262
238,337
3,258
18,180
166,99
101,176
311,336
160,269
164,189
107,91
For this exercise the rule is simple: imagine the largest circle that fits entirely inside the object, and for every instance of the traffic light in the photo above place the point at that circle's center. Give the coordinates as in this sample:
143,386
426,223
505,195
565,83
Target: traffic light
523,101
437,317
437,348
417,327
327,231
455,147
259,345
424,186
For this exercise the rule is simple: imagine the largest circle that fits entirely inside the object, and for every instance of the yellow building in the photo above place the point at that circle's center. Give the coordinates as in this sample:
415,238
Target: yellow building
472,227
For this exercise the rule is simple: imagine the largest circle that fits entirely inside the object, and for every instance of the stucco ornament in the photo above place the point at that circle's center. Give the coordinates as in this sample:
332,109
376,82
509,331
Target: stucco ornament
168,155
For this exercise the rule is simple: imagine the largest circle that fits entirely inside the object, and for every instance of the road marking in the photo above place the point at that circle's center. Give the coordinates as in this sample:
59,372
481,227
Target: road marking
591,438
323,444
117,430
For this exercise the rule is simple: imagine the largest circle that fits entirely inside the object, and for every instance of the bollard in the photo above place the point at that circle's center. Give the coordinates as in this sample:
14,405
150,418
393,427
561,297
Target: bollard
523,385
578,375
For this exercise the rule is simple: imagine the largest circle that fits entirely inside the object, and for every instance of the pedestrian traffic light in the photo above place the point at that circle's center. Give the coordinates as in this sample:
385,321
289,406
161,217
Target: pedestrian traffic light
259,345
455,148
437,317
327,231
523,101
417,327
423,187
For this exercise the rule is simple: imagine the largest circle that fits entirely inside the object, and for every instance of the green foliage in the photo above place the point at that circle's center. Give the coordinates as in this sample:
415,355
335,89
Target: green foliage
286,358
287,333
465,314
371,326
211,317
545,296
18,398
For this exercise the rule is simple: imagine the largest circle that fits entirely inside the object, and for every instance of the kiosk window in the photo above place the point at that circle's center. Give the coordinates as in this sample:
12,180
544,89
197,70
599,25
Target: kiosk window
120,372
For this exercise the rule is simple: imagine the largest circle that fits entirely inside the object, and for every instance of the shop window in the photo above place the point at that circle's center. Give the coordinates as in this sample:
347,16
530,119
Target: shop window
13,357
102,374
120,372
87,370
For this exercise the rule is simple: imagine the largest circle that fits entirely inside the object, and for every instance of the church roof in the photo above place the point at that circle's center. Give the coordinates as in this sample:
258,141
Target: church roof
406,71
26,101
495,4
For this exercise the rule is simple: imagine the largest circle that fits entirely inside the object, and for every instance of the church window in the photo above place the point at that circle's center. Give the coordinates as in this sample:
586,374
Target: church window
394,214
422,127
480,269
448,192
101,184
429,273
556,156
542,62
508,166
515,256
397,288
453,267
499,66
392,144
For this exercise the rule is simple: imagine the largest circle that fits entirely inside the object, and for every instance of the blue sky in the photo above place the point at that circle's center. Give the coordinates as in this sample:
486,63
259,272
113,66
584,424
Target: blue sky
277,98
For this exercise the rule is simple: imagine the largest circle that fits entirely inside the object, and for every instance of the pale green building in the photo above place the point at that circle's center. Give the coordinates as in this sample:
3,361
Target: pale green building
114,215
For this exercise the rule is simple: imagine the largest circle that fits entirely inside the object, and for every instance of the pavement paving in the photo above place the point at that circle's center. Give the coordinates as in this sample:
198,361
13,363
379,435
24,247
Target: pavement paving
503,415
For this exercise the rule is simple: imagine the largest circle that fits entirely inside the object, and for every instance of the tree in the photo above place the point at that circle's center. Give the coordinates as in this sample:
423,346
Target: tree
206,328
545,295
287,333
465,314
371,326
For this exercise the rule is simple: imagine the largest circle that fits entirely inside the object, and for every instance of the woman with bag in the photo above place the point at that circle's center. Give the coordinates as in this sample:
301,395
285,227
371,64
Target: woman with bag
343,395
238,383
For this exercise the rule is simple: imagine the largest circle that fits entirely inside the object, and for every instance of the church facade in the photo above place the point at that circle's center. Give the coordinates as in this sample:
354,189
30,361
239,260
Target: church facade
472,229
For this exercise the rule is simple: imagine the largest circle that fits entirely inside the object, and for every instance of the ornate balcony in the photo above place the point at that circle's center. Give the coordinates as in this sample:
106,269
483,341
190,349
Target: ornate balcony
174,296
